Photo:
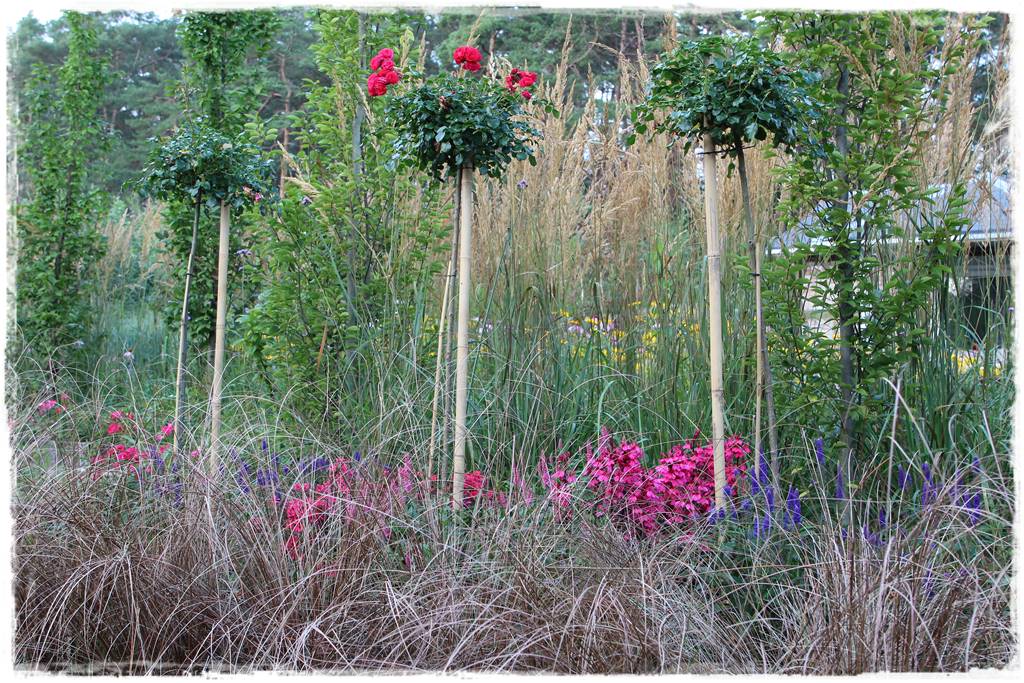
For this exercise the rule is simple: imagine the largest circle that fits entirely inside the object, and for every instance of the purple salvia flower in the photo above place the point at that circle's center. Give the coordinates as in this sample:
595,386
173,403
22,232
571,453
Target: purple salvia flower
926,470
793,507
763,473
882,519
871,537
974,508
769,498
840,488
819,451
976,464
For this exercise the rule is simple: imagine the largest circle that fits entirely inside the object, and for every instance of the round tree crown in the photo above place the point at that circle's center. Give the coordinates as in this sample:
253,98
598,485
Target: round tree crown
455,119
200,161
732,88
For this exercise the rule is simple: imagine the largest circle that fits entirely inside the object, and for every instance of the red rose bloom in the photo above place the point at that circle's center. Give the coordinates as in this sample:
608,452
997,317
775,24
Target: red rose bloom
391,77
382,56
527,94
520,79
468,57
376,85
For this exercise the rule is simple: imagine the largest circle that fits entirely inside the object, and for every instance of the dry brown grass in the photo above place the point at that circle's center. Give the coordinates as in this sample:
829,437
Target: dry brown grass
113,577
591,201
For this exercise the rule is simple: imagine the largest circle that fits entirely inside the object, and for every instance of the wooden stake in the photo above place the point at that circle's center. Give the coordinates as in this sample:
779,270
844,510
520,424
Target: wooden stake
179,385
715,315
442,327
218,349
462,335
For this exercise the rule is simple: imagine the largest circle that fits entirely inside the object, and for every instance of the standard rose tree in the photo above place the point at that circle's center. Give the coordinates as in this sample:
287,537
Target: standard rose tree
731,92
450,125
210,170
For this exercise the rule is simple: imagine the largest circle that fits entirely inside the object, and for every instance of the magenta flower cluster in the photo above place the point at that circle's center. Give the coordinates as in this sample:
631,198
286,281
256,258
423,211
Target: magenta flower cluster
680,488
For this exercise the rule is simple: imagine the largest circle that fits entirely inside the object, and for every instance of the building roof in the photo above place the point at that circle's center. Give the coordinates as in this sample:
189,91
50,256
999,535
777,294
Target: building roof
989,207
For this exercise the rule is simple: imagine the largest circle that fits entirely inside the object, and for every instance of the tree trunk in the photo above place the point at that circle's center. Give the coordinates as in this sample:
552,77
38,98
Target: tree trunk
179,393
764,370
283,173
845,309
715,318
218,353
462,336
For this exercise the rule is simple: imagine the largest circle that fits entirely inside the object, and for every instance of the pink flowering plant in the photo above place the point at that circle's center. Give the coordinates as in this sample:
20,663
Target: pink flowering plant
127,446
463,115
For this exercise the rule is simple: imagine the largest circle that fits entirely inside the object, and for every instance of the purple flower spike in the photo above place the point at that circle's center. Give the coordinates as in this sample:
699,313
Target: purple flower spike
793,507
763,474
976,465
974,508
903,477
840,488
819,451
926,470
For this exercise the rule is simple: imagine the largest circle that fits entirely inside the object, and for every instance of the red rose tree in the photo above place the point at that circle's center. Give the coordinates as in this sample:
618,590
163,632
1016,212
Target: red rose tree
451,124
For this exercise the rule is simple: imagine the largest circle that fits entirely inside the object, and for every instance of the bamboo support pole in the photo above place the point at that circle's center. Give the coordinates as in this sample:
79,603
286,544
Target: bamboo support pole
715,317
442,327
462,334
217,387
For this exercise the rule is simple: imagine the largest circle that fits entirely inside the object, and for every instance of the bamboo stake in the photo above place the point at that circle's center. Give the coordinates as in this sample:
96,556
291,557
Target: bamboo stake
715,315
462,336
442,326
179,391
218,349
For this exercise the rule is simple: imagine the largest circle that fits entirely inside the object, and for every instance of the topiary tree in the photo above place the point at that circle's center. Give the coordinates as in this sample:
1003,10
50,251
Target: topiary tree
221,81
208,169
732,92
451,125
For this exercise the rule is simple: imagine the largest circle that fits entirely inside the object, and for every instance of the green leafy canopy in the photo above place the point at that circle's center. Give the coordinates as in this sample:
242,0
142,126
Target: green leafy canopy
199,163
455,119
730,87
